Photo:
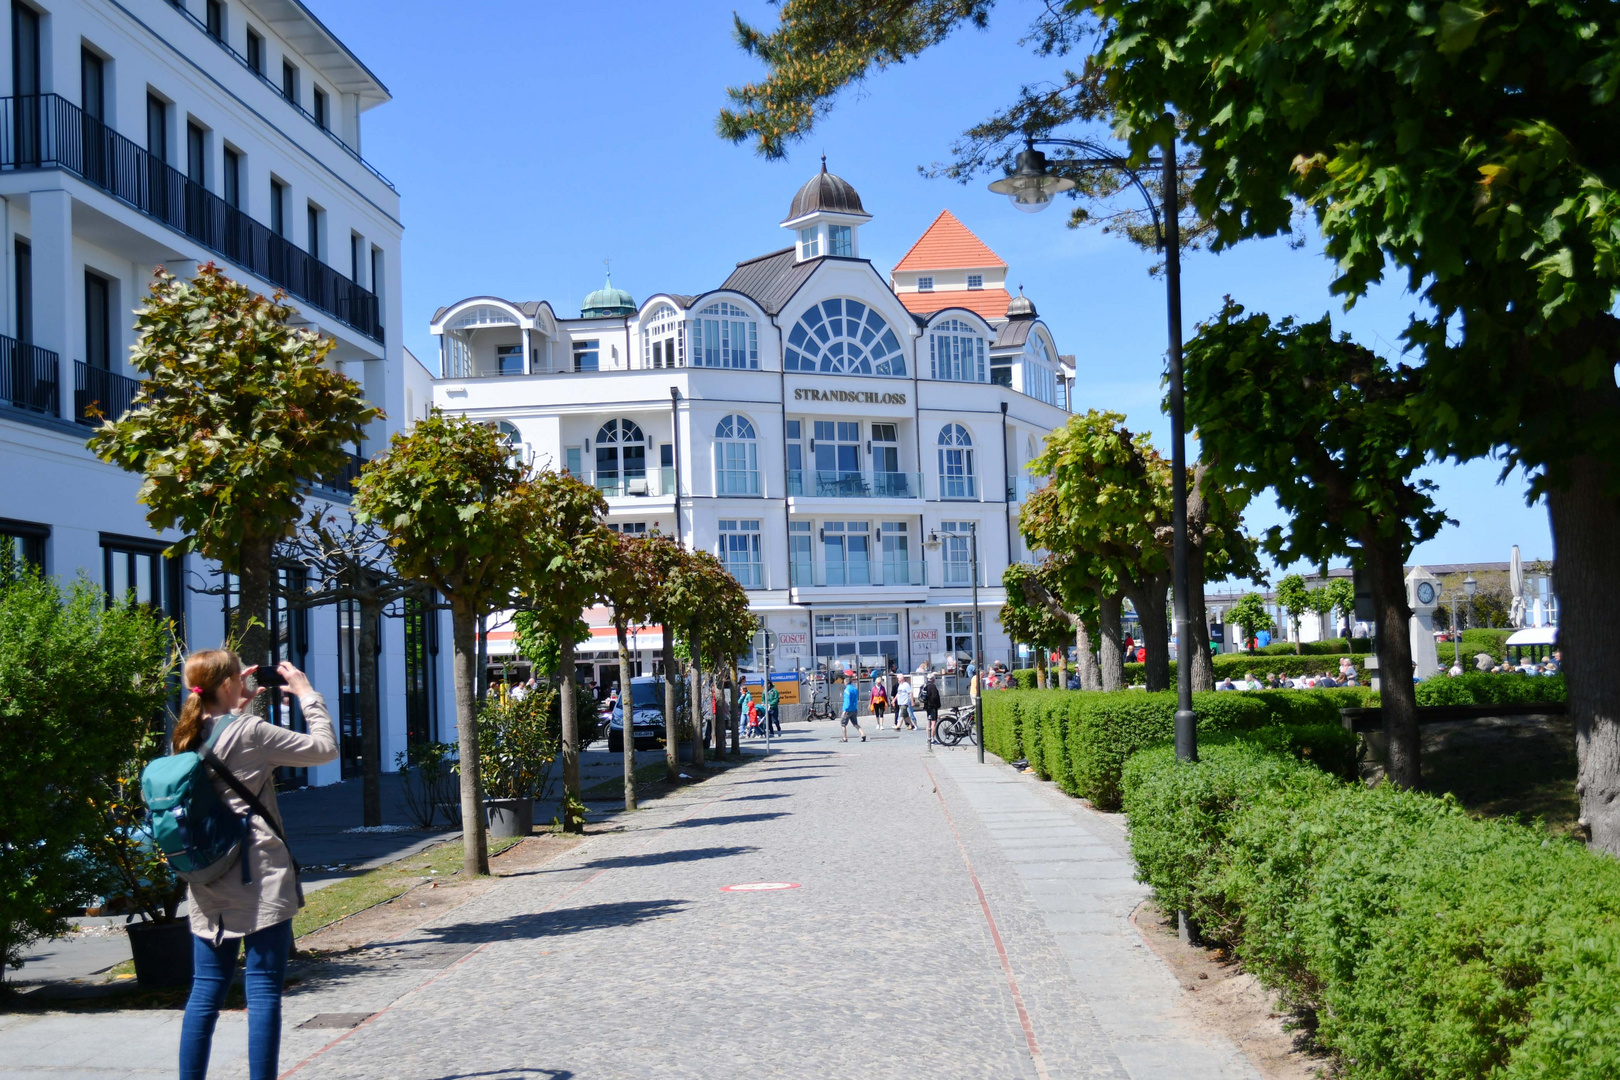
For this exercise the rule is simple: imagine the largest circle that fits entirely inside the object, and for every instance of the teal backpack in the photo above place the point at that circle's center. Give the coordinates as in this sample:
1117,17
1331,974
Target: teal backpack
197,832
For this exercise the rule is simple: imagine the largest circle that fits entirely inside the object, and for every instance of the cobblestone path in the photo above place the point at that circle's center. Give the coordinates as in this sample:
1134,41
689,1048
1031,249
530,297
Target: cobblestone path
949,920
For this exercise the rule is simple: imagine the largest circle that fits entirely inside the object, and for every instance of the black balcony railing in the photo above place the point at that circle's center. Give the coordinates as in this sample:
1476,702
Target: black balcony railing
47,131
100,395
342,481
262,77
29,377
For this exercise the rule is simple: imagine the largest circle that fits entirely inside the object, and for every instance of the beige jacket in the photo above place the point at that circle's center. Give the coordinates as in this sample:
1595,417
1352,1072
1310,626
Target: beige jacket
251,749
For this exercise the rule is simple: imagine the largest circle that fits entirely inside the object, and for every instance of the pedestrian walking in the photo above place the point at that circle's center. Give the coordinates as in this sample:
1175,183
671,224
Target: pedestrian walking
773,710
253,909
880,701
930,704
852,705
902,706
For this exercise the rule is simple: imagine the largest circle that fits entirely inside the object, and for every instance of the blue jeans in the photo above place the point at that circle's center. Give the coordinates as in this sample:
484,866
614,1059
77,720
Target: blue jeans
212,970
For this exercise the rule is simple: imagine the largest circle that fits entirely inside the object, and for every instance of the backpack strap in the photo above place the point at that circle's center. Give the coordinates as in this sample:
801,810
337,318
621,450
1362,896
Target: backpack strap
257,807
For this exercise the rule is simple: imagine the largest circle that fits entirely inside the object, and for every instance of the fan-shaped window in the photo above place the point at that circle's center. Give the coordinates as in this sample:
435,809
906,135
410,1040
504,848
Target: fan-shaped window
482,315
844,337
725,336
736,457
956,463
621,459
956,352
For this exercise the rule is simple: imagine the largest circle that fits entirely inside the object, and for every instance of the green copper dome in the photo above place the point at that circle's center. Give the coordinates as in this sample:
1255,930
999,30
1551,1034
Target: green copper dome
607,302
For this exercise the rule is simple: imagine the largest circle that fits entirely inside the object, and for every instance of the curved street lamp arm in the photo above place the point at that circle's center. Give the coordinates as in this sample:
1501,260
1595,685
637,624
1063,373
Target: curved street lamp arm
1103,158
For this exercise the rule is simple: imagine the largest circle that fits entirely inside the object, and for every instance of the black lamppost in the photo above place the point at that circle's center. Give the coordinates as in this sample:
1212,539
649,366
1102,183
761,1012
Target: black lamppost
1031,188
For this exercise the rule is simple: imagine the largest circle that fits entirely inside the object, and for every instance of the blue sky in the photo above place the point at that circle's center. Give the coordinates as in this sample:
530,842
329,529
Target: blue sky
530,141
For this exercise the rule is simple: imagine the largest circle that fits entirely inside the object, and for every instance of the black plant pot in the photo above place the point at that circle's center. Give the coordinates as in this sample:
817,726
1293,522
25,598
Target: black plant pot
162,953
510,817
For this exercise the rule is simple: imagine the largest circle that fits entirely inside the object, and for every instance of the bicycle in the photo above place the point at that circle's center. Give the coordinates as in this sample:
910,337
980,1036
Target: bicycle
955,725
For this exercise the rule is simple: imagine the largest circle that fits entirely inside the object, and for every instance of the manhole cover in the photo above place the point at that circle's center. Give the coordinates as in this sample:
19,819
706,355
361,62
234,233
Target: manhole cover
761,886
336,1020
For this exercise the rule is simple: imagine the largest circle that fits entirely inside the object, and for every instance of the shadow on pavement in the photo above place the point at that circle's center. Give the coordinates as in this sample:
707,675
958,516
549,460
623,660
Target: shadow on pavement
761,795
504,1074
782,779
545,923
656,858
730,819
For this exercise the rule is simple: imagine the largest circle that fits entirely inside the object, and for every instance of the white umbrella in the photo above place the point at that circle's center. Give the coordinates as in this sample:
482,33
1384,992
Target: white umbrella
1516,586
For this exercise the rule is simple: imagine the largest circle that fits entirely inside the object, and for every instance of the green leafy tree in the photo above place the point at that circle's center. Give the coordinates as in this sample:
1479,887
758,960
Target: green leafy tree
689,584
1249,614
1324,423
573,552
460,516
728,635
630,587
236,417
1033,622
81,684
1341,597
1471,148
1295,599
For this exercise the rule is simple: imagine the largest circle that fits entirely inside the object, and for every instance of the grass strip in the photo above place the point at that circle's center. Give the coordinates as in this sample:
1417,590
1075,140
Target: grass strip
613,787
339,900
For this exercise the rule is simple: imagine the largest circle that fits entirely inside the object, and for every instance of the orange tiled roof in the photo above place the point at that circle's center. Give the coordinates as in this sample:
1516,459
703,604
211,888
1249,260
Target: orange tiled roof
948,245
986,303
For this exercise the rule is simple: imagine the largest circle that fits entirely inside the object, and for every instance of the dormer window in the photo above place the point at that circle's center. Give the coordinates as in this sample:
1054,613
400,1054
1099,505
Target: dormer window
975,281
840,241
809,243
925,284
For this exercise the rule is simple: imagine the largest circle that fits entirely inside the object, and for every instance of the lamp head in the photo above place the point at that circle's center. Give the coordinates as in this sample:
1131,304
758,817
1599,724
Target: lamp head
1469,584
1031,186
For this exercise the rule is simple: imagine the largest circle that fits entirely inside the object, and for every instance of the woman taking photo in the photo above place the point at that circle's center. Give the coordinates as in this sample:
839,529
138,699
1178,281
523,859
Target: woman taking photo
251,906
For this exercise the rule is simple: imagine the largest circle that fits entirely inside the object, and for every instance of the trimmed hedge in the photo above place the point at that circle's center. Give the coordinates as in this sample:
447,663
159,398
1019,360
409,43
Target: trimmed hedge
1484,641
1262,664
1483,688
1081,740
1426,943
1326,647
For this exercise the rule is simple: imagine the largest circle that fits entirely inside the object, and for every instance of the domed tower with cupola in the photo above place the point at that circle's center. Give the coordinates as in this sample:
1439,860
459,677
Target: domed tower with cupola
607,302
826,218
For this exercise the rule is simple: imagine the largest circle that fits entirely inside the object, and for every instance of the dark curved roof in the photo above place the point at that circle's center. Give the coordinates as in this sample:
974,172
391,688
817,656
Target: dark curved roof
1020,306
771,280
1013,332
824,191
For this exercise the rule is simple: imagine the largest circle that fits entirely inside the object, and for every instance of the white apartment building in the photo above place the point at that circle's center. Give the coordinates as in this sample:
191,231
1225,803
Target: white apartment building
841,440
144,133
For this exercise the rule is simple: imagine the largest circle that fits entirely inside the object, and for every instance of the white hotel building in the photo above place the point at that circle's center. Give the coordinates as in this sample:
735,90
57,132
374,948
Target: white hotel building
837,438
139,133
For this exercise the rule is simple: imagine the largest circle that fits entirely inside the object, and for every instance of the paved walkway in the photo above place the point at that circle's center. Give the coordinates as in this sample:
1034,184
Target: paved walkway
951,920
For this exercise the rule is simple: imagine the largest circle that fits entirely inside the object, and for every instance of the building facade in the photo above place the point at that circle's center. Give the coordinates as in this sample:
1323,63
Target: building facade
146,133
843,441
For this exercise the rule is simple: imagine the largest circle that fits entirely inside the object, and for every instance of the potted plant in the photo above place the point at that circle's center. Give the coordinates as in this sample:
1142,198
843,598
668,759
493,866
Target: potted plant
517,745
139,884
430,782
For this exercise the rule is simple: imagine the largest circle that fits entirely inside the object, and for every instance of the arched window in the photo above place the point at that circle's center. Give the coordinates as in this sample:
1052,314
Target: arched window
725,336
956,352
844,337
736,457
662,343
513,438
956,463
621,459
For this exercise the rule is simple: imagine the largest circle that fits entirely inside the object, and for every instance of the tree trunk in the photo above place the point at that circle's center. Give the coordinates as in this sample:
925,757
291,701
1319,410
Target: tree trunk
1040,668
722,709
734,710
464,636
696,681
1293,622
1585,520
1112,647
250,624
1086,660
627,713
672,737
370,716
1152,613
1197,650
1397,697
567,691
1063,667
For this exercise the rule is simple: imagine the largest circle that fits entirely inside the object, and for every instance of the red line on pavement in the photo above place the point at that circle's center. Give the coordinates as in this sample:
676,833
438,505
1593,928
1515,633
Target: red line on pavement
995,934
436,976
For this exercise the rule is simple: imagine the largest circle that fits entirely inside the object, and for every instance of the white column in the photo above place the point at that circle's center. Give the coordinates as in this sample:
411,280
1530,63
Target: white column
528,361
55,297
